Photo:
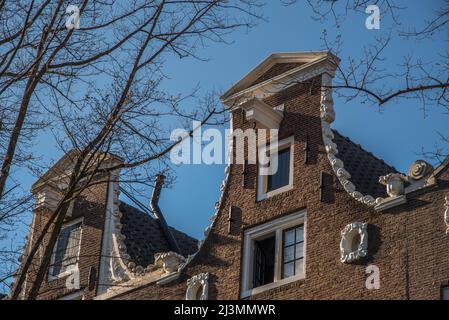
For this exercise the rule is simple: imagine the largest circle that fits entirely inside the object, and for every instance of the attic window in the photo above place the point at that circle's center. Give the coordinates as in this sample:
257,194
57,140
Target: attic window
282,179
66,253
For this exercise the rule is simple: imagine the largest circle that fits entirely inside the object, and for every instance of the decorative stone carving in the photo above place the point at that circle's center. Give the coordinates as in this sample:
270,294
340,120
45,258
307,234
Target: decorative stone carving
327,115
119,270
369,200
420,175
198,287
394,183
349,186
169,261
419,169
354,242
446,213
343,174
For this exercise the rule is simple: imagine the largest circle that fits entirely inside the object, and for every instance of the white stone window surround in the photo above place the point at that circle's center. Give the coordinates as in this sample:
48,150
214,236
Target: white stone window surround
69,271
259,232
263,180
78,295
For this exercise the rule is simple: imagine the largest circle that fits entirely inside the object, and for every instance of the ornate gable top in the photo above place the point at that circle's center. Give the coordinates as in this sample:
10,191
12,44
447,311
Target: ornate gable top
276,65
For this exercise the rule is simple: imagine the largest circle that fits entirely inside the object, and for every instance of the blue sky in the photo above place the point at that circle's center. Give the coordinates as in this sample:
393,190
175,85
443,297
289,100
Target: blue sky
396,134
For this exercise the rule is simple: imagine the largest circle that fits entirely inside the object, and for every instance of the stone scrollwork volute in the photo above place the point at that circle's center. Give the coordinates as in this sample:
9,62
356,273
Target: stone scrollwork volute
446,213
169,261
198,287
327,115
354,242
394,183
420,169
119,269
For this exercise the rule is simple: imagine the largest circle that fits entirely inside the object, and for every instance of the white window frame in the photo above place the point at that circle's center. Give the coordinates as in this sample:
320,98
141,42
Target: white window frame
69,271
262,180
74,296
259,232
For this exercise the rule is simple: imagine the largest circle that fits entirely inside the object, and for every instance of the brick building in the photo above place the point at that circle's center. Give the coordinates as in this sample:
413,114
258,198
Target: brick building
334,221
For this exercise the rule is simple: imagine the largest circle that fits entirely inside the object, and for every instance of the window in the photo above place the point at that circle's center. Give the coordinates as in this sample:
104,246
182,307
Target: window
445,293
263,264
73,296
66,252
293,245
273,254
282,179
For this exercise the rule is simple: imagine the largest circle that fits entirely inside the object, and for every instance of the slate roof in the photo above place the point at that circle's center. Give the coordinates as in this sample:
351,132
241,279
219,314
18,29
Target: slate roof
364,167
144,237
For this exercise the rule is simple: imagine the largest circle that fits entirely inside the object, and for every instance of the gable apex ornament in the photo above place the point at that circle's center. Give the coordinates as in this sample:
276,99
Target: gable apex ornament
419,169
394,183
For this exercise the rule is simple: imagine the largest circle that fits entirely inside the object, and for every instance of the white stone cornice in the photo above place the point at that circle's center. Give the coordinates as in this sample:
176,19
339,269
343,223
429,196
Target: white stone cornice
281,82
390,202
264,115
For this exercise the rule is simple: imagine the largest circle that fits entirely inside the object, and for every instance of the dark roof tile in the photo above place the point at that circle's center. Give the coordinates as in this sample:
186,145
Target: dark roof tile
144,237
364,167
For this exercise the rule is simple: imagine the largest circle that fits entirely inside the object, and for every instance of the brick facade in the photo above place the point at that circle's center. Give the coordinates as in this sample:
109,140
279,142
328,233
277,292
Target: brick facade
408,242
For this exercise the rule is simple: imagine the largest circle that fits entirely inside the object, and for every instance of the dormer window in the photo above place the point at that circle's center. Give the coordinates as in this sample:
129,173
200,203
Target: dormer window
66,253
281,180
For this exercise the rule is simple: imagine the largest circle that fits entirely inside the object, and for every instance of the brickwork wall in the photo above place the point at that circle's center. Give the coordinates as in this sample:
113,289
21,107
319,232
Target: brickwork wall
411,237
91,206
407,243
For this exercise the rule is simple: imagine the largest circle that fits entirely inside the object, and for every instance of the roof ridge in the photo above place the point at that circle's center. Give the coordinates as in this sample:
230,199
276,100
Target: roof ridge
365,151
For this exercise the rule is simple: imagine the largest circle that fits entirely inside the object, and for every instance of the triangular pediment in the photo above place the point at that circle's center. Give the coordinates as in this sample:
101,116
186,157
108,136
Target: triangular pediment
275,66
63,168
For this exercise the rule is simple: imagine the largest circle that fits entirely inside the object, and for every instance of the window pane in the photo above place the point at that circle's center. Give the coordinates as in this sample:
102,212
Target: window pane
282,176
289,254
288,269
445,293
299,267
67,247
299,234
289,237
299,251
264,260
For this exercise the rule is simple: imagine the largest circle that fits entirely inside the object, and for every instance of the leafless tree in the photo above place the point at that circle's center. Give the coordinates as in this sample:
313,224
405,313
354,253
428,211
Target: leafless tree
100,88
363,74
